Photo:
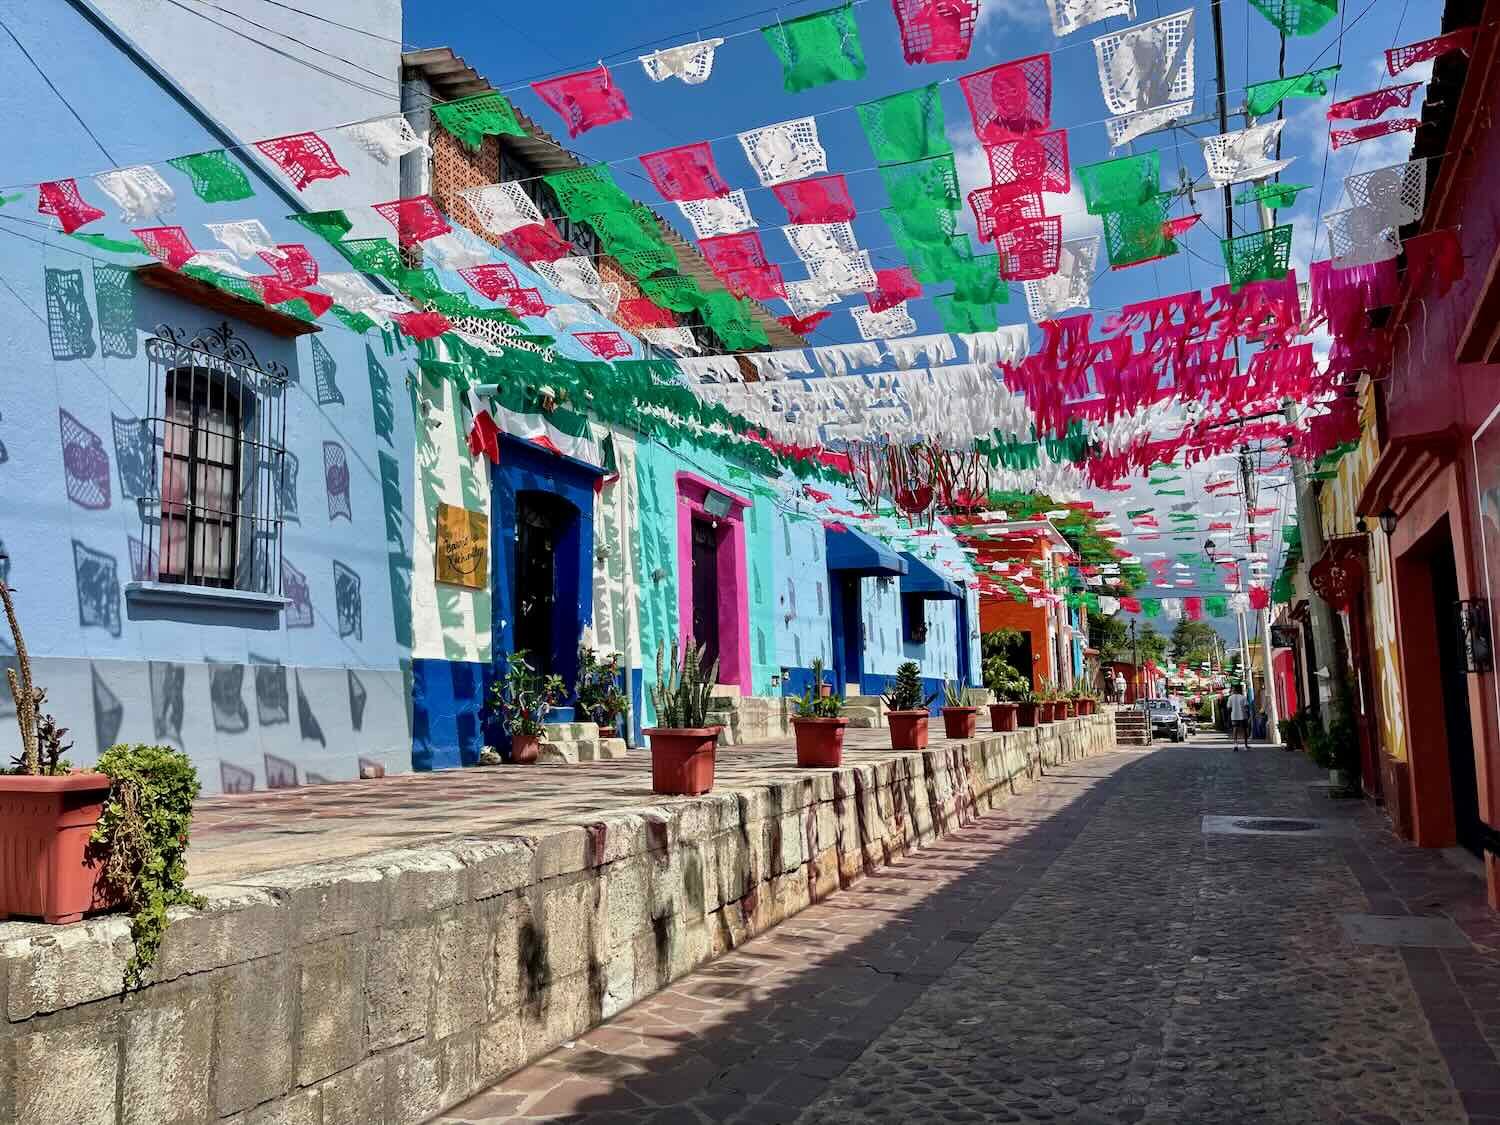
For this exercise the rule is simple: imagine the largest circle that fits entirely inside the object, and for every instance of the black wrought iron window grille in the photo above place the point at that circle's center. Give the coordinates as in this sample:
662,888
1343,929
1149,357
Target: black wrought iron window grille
217,424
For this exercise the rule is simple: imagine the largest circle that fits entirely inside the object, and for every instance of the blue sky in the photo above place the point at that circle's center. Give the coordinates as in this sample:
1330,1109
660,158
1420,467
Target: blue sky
512,45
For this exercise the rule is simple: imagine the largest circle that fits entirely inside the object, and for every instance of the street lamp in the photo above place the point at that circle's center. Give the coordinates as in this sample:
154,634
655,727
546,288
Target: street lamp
1388,522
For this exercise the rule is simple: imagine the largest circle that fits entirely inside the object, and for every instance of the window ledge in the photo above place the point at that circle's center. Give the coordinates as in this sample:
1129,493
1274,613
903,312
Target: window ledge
204,597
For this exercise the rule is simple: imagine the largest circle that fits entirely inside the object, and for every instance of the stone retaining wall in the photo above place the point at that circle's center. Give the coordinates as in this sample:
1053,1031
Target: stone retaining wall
382,990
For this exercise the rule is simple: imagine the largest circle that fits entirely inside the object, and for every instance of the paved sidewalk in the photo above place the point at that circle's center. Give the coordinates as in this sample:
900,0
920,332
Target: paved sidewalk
1085,954
240,834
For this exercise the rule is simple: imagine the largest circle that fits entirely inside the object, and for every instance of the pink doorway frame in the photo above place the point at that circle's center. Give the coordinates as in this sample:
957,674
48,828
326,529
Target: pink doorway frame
734,585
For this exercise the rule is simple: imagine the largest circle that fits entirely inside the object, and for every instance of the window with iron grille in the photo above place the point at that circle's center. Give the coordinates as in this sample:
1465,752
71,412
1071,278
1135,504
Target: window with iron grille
217,423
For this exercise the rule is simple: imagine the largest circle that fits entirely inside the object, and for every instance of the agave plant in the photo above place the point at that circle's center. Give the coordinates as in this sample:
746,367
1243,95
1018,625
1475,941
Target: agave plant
681,692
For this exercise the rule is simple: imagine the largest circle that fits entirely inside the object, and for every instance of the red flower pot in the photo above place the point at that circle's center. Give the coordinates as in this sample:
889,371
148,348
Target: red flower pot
1085,707
820,742
960,722
525,749
1068,709
45,824
1028,714
1003,716
1045,713
825,690
908,729
682,760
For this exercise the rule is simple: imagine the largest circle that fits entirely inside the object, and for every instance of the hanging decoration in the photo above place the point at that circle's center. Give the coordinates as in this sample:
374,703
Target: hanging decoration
539,242
1030,250
1246,154
471,119
1068,288
692,63
585,100
169,244
1398,191
1069,16
1367,107
1126,127
1147,65
303,158
786,151
1263,97
293,264
1039,162
61,199
922,185
820,240
1124,182
1262,255
387,139
686,172
329,225
804,325
1398,59
501,208
490,281
843,273
1274,194
585,192
905,126
894,321
1298,17
416,219
727,215
892,287
934,31
605,345
216,178
817,48
1434,261
1338,138
1359,236
824,199
1013,99
959,316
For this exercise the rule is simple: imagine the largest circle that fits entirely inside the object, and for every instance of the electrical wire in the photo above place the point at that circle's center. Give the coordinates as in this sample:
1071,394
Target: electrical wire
78,117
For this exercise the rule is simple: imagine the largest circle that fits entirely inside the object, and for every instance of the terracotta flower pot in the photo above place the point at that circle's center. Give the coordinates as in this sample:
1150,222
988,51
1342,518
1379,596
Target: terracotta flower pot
825,690
1069,709
682,760
1003,716
525,749
908,729
960,722
1085,707
1046,712
1028,714
45,824
820,742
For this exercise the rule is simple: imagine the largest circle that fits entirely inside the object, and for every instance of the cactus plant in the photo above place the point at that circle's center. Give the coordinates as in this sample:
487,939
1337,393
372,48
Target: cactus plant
42,745
681,693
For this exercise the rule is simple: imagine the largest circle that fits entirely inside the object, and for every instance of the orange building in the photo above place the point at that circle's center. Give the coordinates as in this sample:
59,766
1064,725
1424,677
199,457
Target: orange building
1012,549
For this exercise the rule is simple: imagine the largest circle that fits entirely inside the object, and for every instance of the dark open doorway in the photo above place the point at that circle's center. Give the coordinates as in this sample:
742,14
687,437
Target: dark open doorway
706,546
1468,826
544,523
847,626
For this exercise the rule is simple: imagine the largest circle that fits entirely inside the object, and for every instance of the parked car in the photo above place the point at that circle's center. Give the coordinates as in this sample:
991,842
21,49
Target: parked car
1166,720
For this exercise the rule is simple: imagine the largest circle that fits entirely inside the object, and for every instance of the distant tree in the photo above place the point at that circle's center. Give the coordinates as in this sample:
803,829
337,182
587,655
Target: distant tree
1151,644
1111,636
1193,642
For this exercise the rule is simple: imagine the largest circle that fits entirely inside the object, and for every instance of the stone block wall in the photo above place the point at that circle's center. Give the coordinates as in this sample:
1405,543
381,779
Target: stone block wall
385,989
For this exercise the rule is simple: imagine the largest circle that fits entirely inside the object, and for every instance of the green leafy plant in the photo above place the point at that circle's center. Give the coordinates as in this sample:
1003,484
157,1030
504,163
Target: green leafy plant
524,697
141,842
598,687
904,693
957,695
811,705
1007,683
681,693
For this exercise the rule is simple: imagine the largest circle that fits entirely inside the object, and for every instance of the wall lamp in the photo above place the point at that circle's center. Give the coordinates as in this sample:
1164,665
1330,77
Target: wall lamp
1388,522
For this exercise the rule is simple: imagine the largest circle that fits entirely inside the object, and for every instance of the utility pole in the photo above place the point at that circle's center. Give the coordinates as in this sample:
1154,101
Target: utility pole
1273,712
1135,660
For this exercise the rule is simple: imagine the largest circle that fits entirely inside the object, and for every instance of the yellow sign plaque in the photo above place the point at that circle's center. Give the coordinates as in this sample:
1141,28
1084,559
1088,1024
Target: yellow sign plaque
463,547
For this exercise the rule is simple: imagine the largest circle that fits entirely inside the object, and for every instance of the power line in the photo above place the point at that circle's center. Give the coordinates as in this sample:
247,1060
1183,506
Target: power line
78,117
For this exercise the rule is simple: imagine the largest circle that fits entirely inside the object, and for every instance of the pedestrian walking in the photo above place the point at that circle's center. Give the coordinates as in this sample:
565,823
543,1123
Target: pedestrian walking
1119,685
1239,717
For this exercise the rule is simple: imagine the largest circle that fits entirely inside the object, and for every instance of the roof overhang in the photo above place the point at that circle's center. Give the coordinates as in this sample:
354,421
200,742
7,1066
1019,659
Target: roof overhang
922,579
854,552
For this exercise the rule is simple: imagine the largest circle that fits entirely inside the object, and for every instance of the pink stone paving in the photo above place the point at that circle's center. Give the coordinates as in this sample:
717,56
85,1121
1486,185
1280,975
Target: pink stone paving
241,834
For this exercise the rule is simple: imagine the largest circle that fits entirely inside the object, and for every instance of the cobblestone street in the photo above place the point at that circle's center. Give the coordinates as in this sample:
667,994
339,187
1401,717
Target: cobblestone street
1086,953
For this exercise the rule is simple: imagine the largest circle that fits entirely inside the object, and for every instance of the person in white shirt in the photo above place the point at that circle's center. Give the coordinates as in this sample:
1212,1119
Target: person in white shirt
1119,686
1239,717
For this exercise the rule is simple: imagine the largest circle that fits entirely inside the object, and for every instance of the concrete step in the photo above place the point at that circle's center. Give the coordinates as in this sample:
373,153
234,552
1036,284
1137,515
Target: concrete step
569,732
582,750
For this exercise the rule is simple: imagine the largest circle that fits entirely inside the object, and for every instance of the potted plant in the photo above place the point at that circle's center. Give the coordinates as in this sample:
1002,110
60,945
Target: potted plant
824,689
906,708
598,690
818,726
1044,699
47,809
523,696
683,742
960,712
1006,685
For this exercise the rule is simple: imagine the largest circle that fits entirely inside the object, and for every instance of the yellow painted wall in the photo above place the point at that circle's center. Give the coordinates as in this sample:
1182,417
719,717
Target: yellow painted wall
1337,505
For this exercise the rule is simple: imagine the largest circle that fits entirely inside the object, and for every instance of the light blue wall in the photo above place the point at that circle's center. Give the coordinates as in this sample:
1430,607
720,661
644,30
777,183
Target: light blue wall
202,680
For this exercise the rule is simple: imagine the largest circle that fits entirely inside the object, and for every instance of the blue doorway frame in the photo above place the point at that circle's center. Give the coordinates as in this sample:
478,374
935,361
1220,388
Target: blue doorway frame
569,485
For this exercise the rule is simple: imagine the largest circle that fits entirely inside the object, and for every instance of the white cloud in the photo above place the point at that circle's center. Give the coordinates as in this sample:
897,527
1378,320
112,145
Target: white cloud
999,16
